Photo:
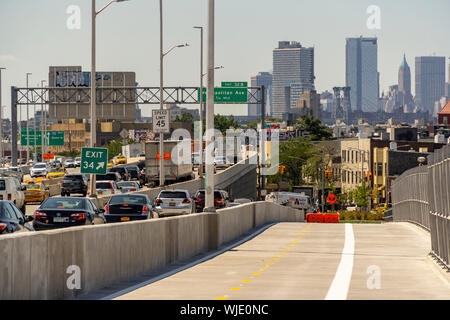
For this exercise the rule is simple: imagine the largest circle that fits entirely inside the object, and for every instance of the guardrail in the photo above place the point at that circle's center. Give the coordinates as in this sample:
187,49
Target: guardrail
47,264
422,195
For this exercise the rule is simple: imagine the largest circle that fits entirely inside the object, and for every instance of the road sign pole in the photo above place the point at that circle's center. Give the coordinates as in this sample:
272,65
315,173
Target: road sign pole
161,95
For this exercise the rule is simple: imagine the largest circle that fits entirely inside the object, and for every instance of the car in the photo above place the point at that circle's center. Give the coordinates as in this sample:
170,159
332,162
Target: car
238,202
106,188
63,212
109,165
122,171
109,176
56,173
120,159
128,186
221,199
11,190
74,183
141,164
128,207
78,162
22,161
12,219
14,171
69,163
174,202
39,169
221,162
352,207
136,174
36,192
56,164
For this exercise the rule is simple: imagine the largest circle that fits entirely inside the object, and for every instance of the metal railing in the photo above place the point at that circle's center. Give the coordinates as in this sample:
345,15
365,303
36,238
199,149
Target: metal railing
422,196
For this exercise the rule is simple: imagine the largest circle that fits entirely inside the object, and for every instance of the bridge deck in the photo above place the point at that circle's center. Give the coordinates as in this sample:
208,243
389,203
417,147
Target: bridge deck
300,261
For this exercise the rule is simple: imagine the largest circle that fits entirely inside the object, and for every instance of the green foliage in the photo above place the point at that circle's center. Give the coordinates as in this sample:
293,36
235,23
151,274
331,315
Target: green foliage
114,148
186,117
361,195
223,123
313,125
70,154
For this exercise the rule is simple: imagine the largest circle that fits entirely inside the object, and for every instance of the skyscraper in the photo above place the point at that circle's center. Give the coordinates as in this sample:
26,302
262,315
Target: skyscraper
262,79
361,73
430,81
293,73
404,86
448,82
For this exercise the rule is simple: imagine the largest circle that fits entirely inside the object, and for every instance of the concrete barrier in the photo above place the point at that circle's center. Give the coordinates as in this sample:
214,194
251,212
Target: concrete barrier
38,265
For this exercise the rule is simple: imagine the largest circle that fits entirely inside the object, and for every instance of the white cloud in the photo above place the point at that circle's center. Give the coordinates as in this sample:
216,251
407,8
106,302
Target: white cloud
7,57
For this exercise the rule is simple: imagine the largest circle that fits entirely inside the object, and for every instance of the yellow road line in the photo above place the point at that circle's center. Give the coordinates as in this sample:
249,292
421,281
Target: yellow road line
276,258
263,268
221,298
256,274
246,281
235,289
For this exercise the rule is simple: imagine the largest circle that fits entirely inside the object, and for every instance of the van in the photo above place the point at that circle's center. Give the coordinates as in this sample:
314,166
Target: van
11,190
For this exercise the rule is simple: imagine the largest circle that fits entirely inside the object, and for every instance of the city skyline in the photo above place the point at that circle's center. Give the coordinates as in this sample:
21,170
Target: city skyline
54,44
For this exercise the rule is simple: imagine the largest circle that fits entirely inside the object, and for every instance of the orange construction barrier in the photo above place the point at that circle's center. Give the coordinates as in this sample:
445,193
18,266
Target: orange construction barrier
322,218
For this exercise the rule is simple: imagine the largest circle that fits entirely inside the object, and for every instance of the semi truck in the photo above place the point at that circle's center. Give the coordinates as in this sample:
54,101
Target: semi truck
174,171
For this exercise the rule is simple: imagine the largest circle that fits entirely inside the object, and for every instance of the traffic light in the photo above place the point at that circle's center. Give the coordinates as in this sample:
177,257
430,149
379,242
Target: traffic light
281,169
328,174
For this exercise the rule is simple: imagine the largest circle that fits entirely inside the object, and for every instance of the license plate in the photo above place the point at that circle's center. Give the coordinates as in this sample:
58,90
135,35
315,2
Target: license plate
125,219
72,184
60,219
172,204
100,192
1,197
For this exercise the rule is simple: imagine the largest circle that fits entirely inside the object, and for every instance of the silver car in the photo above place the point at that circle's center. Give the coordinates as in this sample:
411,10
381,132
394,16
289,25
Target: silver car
128,186
174,202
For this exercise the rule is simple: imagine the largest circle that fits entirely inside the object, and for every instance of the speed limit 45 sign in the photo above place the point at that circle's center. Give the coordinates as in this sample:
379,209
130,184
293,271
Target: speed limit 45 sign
161,121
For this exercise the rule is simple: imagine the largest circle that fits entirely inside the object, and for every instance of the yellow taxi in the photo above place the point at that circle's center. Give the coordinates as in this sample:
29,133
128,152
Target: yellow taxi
35,191
120,160
110,164
56,173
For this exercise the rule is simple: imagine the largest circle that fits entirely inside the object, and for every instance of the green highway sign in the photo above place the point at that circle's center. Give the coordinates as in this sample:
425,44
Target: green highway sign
227,95
94,160
54,138
234,84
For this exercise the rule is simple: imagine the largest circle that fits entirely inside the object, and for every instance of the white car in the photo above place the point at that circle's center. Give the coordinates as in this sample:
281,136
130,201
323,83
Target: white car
11,190
174,202
69,163
105,188
352,207
221,162
40,169
78,162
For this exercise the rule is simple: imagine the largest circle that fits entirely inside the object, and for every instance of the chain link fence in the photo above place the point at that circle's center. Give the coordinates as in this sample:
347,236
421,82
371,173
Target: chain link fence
422,196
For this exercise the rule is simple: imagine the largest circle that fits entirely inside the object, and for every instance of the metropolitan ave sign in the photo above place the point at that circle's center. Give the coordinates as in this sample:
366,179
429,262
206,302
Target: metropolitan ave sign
94,160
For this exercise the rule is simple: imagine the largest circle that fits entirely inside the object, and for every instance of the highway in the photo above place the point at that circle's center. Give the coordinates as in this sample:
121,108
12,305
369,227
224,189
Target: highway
298,261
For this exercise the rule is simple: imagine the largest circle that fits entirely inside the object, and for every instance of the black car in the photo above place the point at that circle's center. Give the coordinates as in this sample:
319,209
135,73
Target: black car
12,220
109,176
221,199
122,171
136,174
127,207
141,164
62,212
74,183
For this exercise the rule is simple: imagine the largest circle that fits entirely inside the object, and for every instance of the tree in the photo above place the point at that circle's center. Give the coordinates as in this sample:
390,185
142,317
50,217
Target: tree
186,117
223,123
361,195
115,147
315,127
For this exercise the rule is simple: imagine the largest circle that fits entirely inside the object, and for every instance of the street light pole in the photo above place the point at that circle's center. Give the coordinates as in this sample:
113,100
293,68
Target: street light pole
42,124
161,95
201,101
209,192
1,119
93,143
28,129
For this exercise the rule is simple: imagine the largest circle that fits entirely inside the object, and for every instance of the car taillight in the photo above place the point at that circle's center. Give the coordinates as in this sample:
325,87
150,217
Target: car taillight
9,196
107,209
39,215
219,200
133,190
158,201
2,226
186,201
144,209
78,216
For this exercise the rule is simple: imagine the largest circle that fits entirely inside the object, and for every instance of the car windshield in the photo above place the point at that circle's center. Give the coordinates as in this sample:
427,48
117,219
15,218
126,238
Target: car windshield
33,186
2,185
69,160
127,199
39,166
59,203
77,177
57,170
127,184
132,168
173,194
103,185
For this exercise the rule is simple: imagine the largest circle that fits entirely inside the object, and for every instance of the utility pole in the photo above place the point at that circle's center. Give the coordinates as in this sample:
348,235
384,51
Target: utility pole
201,102
42,123
209,193
161,95
28,120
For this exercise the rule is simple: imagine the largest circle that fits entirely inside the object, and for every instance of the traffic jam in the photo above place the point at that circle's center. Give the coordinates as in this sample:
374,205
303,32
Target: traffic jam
122,183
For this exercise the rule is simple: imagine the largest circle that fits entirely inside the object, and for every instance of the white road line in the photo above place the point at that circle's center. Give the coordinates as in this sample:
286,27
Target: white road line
341,282
170,273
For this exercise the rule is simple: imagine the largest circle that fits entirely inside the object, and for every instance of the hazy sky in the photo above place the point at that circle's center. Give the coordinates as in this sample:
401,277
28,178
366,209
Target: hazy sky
34,35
